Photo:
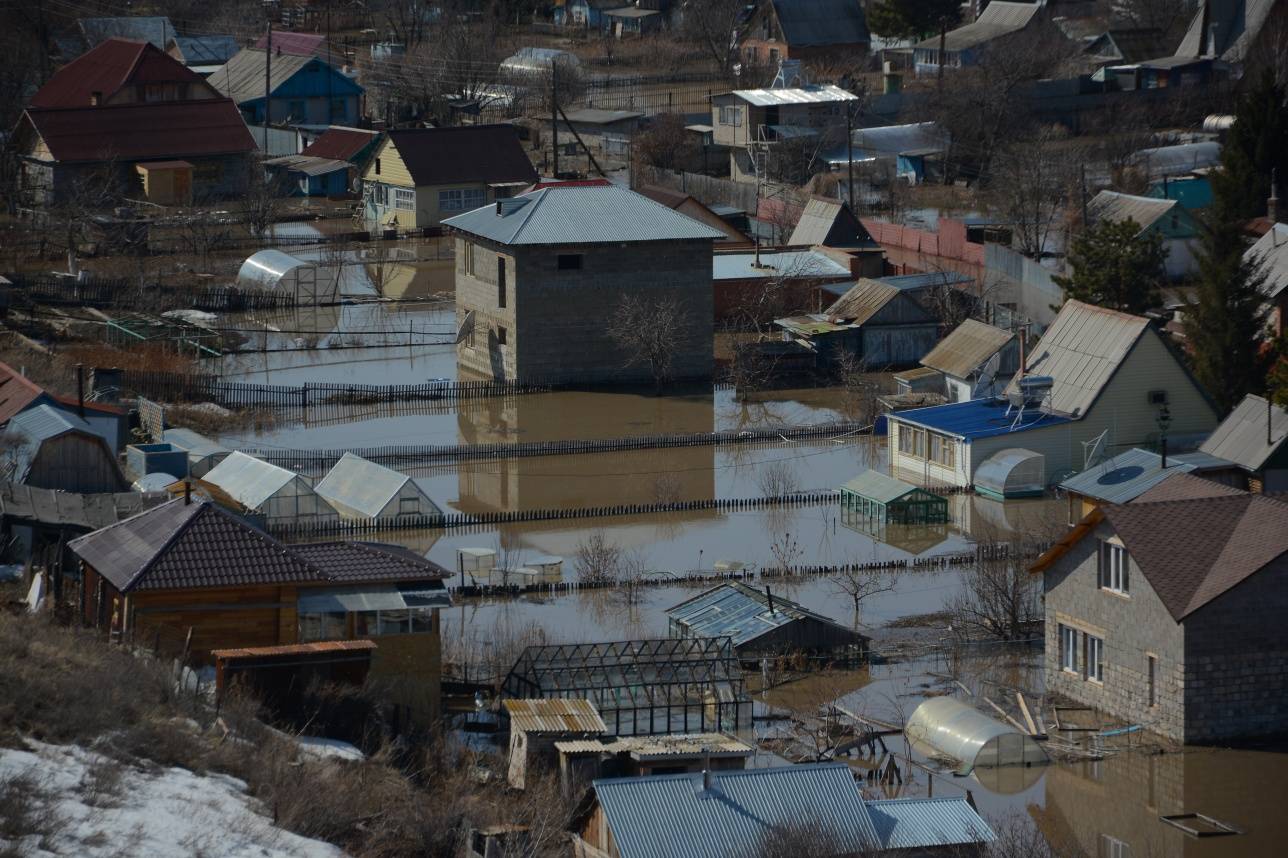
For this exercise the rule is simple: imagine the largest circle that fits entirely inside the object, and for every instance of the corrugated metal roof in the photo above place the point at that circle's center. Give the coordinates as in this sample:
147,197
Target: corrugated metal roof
1179,159
44,422
1242,437
1233,24
967,348
242,77
580,215
659,747
997,20
206,50
864,300
830,223
554,716
788,263
668,815
738,611
361,487
309,165
248,480
16,392
1116,208
912,282
978,418
1132,473
794,95
900,139
924,823
818,23
879,487
176,129
1271,251
1081,350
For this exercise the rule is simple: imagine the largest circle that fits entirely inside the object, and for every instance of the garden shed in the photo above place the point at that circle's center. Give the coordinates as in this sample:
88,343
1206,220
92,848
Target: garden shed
1012,473
885,500
945,726
762,624
275,271
53,449
641,687
281,496
361,490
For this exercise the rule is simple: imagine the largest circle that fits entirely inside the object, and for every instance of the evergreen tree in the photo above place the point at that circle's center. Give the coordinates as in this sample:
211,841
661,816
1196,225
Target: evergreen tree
1225,322
913,19
1116,267
1256,145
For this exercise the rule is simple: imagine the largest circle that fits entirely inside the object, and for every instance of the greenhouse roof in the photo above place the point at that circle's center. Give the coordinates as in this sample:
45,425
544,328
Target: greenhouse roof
248,480
876,486
740,612
363,486
962,732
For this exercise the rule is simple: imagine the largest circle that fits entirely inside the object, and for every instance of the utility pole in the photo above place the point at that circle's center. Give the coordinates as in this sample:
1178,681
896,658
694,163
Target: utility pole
268,88
554,117
849,154
330,113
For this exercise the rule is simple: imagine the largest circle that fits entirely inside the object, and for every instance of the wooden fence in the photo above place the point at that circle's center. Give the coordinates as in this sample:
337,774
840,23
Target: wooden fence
124,293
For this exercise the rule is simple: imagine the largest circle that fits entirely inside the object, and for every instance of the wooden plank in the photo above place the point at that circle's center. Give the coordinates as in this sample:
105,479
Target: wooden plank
1002,712
1024,710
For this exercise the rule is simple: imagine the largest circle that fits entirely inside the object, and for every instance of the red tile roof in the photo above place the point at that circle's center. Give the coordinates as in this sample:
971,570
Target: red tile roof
468,153
17,392
108,68
340,144
143,132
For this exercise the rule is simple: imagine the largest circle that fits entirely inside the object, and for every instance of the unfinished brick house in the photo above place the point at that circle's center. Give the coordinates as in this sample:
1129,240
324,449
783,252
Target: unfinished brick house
1169,613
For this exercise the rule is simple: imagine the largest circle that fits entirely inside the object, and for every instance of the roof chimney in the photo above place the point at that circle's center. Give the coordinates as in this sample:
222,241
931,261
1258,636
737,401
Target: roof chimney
1272,204
770,597
187,492
498,208
706,769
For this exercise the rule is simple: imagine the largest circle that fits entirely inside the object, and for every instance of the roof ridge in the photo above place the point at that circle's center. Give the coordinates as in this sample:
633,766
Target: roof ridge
156,555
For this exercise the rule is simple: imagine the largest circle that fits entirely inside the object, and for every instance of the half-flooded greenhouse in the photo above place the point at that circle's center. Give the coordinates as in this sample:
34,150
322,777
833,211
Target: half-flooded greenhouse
885,500
641,687
1011,473
947,727
274,271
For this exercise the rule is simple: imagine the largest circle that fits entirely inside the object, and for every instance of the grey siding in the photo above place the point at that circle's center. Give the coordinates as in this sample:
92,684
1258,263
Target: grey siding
75,463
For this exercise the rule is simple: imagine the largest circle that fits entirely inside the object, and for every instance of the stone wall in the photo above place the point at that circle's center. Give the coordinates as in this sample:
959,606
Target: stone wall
556,321
1236,658
1133,627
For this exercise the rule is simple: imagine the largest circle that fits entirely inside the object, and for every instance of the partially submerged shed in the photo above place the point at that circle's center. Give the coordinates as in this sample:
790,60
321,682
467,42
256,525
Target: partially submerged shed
873,323
881,498
274,271
950,728
282,496
361,490
763,625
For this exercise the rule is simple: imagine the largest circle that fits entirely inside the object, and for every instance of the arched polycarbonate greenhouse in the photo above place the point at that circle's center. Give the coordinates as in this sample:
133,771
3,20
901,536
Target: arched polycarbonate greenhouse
273,270
1012,473
946,727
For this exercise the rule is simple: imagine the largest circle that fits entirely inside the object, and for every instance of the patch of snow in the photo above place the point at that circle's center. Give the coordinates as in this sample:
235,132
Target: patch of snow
322,748
161,812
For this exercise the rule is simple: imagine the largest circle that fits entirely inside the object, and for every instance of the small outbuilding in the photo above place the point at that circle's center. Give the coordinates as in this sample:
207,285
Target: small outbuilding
53,449
535,727
764,625
203,454
281,496
977,360
885,500
1012,473
275,271
361,490
948,727
874,323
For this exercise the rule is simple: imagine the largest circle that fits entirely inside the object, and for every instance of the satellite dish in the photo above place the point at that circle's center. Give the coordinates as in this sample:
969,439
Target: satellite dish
466,328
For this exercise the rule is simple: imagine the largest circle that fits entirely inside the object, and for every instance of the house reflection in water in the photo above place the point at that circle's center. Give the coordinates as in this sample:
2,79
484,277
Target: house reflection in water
1112,807
915,539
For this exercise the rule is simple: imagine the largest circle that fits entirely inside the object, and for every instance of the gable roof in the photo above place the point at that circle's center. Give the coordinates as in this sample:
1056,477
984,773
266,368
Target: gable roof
867,298
16,392
998,19
300,44
467,153
155,29
1117,207
882,488
967,348
829,223
667,815
175,129
348,561
740,612
205,50
106,69
242,77
807,23
580,215
1128,44
1234,23
340,143
1081,351
1271,251
1193,551
1244,436
1180,485
44,422
925,823
1134,472
361,486
248,480
554,715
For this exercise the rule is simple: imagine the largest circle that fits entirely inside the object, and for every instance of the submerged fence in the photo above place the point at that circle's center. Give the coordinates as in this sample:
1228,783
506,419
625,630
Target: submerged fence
125,293
317,461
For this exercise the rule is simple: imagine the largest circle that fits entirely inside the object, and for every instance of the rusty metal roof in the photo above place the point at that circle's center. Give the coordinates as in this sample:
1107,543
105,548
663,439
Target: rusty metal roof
305,649
554,716
864,300
967,348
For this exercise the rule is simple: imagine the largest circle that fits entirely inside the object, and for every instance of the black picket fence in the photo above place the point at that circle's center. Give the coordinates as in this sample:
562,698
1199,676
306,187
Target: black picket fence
401,456
124,293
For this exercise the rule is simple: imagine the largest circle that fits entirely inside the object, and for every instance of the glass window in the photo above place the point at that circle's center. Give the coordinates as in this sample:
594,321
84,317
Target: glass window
450,201
500,282
502,336
408,506
322,627
1113,567
568,262
394,622
365,624
1112,847
405,199
422,620
1068,649
1095,668
468,253
472,199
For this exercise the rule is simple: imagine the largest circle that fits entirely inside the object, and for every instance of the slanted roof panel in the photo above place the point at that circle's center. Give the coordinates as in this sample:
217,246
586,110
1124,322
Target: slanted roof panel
554,716
363,487
469,153
809,23
1115,207
1250,435
967,348
927,823
1131,474
248,480
1271,253
878,487
779,97
997,20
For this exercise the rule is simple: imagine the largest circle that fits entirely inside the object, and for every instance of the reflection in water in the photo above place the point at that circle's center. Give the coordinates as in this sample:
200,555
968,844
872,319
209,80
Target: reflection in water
1095,806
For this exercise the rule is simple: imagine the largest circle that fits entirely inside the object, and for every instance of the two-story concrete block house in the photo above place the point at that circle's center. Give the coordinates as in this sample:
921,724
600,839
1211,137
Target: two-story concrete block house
1169,613
538,276
1098,381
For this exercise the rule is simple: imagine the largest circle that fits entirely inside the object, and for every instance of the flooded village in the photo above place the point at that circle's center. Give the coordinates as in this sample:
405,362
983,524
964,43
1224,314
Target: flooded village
706,428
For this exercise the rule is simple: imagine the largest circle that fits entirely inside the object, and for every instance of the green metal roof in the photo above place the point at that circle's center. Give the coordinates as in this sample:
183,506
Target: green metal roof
876,486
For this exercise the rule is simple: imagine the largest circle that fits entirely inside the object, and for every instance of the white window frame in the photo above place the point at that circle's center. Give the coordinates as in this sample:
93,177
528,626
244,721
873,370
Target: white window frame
1112,847
1095,658
405,199
731,114
1068,648
1113,568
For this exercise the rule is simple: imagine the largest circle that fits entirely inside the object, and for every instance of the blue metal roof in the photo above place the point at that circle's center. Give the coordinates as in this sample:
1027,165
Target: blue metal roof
738,611
1129,475
978,418
922,823
668,815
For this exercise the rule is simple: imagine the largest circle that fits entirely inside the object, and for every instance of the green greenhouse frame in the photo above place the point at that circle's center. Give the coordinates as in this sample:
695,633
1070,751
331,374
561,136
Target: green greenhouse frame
885,500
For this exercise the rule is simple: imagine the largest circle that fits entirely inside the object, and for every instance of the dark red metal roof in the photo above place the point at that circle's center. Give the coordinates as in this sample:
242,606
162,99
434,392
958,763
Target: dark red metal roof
468,153
341,144
300,44
108,68
16,392
143,132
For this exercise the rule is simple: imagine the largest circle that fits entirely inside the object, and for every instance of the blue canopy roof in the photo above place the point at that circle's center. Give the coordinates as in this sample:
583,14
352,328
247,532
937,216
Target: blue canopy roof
978,418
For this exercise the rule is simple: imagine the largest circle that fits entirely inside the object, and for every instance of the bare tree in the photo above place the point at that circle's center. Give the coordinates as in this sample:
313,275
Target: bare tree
507,554
666,144
858,585
262,201
647,328
1031,183
1169,17
777,479
714,25
596,560
1000,598
786,550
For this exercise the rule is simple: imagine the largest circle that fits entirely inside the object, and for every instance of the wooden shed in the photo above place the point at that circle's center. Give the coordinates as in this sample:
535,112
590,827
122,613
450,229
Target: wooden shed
536,725
886,500
53,449
873,322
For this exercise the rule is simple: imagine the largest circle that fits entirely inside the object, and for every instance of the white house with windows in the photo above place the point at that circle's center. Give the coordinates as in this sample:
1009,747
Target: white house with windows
1097,382
1149,604
420,176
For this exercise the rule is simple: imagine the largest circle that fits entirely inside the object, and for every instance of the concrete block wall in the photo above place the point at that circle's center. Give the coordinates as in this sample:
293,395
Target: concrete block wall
1132,627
